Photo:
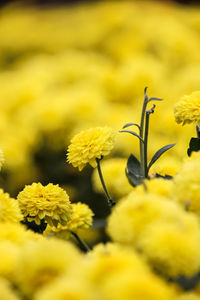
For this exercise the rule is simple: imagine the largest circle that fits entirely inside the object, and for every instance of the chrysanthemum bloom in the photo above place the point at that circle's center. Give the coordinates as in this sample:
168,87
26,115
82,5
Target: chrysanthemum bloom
187,110
90,144
41,262
133,215
49,202
187,184
9,208
81,219
6,291
172,247
17,234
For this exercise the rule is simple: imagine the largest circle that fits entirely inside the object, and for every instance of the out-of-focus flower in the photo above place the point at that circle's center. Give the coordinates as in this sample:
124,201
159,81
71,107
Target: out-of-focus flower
136,212
172,247
6,291
81,219
187,184
41,262
158,186
9,253
188,296
187,110
49,202
114,176
17,234
90,144
66,288
9,208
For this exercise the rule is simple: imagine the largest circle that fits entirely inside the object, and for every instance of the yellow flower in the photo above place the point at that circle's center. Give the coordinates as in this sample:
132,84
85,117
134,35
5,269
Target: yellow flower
9,208
90,144
187,184
49,202
158,186
81,219
9,253
114,175
172,247
187,110
17,233
66,288
131,216
6,291
41,262
131,285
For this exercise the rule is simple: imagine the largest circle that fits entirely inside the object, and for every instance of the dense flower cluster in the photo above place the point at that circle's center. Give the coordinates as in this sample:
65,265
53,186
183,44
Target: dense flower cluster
89,145
88,79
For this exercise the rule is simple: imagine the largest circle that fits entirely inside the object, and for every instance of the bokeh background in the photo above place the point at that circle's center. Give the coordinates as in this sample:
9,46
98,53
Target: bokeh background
66,66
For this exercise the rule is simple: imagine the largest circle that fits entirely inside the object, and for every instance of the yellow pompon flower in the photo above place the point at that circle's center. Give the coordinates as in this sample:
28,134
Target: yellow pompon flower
114,176
9,208
131,216
187,184
42,262
187,110
17,234
90,144
66,288
49,202
158,186
6,291
81,219
173,247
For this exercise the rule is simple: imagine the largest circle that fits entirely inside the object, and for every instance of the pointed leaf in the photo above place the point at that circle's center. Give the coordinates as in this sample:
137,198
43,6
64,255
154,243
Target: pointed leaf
167,177
134,171
194,145
133,133
131,124
155,99
159,153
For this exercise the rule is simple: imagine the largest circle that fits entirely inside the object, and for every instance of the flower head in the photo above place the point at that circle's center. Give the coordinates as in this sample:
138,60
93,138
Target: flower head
49,202
81,219
90,144
187,110
9,208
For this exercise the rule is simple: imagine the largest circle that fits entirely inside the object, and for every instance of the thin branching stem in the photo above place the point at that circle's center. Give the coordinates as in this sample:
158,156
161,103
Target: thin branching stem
146,144
110,201
142,133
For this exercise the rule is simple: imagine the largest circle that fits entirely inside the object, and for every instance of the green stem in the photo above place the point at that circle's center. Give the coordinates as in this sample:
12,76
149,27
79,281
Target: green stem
146,144
83,244
110,201
142,134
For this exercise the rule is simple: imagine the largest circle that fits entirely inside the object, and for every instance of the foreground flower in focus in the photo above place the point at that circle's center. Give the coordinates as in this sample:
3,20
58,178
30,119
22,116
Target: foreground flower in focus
49,202
187,110
90,144
81,219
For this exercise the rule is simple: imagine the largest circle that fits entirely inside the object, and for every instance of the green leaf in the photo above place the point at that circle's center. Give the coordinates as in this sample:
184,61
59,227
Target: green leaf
133,133
131,124
154,99
194,145
159,153
134,171
167,177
